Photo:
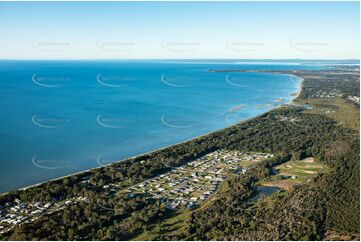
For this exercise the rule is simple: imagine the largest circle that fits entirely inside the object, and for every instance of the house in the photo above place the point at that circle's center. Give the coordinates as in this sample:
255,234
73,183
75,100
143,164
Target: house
191,205
213,188
14,209
195,174
37,211
48,205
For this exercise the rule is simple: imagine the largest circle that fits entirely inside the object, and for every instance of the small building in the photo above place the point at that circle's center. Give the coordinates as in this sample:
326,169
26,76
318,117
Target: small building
191,205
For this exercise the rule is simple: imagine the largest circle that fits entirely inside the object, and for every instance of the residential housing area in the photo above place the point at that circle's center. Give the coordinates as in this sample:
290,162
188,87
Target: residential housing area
17,212
190,185
186,186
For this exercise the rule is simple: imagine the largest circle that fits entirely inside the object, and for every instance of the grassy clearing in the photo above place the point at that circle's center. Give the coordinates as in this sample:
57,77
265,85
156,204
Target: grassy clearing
248,163
293,173
300,170
339,109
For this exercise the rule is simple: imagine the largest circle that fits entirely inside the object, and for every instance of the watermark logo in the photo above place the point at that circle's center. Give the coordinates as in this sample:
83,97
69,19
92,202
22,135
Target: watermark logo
113,80
308,46
243,46
236,80
108,202
177,81
179,46
102,162
230,119
49,81
234,117
295,80
49,164
115,45
50,46
113,122
49,123
177,122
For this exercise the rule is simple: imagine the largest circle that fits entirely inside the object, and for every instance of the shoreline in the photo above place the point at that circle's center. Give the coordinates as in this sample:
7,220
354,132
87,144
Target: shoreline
293,98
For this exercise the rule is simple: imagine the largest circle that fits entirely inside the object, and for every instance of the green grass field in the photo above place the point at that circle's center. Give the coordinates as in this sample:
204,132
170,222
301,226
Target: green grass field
293,173
300,170
337,108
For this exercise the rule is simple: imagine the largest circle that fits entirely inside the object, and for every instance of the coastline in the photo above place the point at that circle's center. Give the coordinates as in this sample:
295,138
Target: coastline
294,97
299,90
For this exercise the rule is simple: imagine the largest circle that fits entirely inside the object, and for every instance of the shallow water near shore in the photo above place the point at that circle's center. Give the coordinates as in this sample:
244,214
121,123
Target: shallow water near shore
61,117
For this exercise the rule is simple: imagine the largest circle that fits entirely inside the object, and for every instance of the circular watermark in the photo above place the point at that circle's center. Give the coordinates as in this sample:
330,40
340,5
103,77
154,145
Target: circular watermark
49,164
235,116
236,80
114,122
308,46
243,46
177,81
101,161
115,45
177,122
113,80
179,46
295,80
49,81
49,122
50,45
107,200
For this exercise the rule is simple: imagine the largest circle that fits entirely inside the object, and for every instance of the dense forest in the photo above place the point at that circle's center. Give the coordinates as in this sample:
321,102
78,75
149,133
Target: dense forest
330,202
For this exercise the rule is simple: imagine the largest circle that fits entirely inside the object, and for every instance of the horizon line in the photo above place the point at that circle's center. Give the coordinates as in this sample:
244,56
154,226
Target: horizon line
135,59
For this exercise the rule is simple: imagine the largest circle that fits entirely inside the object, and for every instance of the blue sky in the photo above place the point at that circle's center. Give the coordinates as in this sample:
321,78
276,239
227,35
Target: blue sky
171,30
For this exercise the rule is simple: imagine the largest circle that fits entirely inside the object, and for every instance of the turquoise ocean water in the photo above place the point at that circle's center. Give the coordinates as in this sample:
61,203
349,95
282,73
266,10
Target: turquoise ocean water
61,117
